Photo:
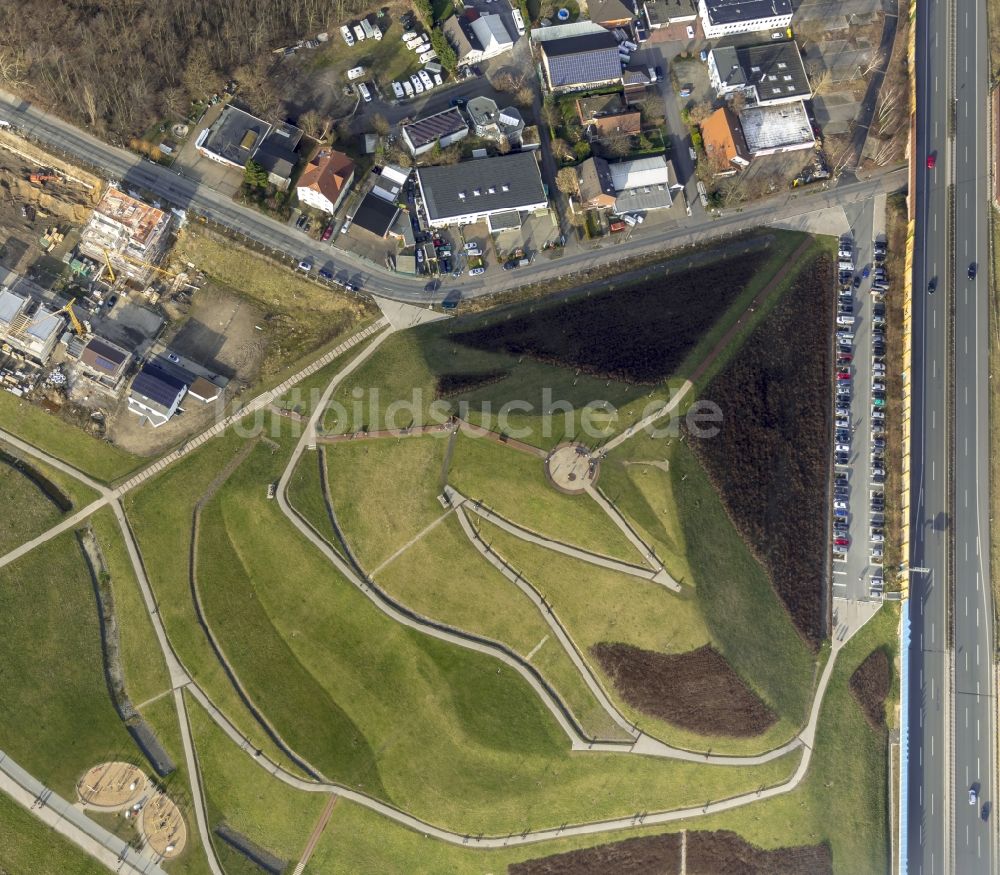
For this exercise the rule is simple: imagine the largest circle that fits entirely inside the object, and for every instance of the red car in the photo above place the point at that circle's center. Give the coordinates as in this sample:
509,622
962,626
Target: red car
842,542
327,232
843,375
844,357
931,161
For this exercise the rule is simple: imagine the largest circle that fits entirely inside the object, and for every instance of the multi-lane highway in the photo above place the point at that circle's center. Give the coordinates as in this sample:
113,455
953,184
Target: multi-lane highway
190,194
952,729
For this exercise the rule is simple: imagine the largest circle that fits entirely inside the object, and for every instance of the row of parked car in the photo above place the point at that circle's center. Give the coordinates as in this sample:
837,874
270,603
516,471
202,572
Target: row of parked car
847,367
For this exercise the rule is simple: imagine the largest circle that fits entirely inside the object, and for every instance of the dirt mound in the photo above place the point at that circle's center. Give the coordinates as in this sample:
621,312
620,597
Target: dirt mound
698,690
708,853
870,686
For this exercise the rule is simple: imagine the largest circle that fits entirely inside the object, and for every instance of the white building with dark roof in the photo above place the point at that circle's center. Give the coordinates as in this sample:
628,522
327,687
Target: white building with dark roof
460,194
441,129
767,74
725,17
105,363
155,394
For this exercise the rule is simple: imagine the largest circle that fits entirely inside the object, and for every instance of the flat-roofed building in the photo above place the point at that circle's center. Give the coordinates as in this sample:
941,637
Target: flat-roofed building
492,123
29,326
441,129
663,13
460,194
233,137
772,129
723,17
131,234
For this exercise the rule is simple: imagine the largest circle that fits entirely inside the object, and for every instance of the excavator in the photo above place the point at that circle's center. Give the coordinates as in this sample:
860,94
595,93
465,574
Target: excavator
40,177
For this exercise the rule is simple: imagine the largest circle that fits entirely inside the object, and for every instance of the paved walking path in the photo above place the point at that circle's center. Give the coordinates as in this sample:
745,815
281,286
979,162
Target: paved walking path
456,499
71,823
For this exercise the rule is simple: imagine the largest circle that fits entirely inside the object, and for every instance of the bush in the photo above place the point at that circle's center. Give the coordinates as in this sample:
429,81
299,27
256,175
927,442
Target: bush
446,54
581,150
870,686
770,460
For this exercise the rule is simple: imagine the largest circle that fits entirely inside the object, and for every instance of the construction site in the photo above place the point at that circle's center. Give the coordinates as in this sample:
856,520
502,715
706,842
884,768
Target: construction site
87,289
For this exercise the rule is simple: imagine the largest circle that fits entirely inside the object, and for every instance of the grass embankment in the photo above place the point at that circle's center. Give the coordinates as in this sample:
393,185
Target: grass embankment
28,845
679,510
101,460
675,306
305,495
513,484
842,801
449,734
145,671
384,492
242,795
29,511
444,577
57,718
300,315
78,493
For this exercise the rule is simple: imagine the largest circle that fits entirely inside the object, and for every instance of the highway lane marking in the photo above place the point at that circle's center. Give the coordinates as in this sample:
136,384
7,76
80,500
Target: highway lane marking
932,470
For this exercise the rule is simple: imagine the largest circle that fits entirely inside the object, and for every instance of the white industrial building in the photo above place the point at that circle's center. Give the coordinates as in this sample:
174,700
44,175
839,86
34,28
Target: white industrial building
769,130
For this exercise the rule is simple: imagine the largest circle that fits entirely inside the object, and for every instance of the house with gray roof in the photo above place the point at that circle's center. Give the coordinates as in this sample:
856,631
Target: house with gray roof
726,17
767,74
443,128
460,194
576,63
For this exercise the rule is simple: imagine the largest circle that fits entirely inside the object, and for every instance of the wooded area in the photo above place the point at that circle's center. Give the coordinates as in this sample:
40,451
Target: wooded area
119,66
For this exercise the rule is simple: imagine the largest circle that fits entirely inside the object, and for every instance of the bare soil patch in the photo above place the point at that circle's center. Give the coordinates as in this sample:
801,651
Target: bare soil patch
697,690
770,460
708,853
870,686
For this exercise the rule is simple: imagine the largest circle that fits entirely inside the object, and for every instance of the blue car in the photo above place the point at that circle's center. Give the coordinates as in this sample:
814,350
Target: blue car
865,273
327,275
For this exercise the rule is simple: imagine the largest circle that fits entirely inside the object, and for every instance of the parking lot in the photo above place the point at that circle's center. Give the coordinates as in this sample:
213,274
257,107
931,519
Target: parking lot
860,429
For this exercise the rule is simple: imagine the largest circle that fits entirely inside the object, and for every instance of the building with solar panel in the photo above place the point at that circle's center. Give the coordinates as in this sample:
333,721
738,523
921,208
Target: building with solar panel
155,395
105,363
576,63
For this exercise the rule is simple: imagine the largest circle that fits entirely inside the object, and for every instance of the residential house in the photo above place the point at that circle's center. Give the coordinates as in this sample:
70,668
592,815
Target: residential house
576,63
767,75
129,233
724,143
643,184
379,211
326,180
471,191
492,36
155,394
492,123
28,326
608,114
726,17
458,32
611,13
105,363
441,129
277,155
597,189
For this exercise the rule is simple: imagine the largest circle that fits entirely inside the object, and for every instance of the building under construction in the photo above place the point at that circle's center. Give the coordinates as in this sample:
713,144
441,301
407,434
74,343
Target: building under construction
126,234
28,326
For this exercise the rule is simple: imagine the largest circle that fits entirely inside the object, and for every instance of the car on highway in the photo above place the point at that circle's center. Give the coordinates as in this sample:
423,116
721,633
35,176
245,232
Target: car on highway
932,161
973,795
972,270
477,271
305,265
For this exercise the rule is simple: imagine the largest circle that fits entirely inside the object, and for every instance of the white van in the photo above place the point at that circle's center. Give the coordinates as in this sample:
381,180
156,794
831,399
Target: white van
365,93
355,73
425,77
418,86
518,21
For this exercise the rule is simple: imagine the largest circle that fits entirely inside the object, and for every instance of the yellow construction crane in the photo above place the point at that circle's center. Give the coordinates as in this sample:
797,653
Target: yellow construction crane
111,270
134,260
68,310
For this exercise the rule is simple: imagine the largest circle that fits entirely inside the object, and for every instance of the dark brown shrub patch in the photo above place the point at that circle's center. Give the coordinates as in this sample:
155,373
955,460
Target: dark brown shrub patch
870,686
698,690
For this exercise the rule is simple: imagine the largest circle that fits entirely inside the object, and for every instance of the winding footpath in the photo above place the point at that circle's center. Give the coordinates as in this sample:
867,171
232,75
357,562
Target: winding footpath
182,681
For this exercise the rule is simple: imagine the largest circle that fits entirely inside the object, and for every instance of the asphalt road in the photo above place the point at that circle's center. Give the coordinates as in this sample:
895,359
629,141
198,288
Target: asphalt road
951,720
282,239
974,704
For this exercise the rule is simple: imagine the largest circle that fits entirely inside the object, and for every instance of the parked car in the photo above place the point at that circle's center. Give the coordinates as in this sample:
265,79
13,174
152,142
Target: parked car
690,32
477,271
326,274
305,265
